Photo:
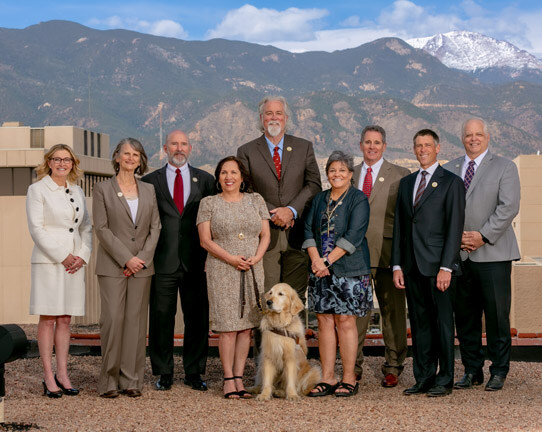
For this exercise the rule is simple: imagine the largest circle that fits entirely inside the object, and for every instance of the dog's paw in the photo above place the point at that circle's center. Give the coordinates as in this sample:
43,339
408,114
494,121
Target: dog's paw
263,396
293,397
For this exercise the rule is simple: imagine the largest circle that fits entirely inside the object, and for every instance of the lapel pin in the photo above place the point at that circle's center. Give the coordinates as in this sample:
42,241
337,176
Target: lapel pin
457,166
381,179
119,194
288,148
434,184
194,179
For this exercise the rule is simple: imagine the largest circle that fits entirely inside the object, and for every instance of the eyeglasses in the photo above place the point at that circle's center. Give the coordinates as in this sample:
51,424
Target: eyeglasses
57,160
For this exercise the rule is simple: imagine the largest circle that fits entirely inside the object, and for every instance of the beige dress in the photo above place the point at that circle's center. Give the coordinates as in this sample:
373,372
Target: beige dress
236,227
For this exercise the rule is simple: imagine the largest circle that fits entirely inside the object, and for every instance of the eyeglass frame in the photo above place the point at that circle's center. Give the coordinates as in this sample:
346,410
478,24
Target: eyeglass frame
58,160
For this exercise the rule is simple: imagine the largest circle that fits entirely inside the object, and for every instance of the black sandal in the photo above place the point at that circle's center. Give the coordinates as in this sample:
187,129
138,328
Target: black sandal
325,389
230,394
243,394
351,390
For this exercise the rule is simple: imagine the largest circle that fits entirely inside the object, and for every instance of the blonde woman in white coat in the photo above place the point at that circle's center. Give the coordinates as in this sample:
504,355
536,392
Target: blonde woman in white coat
62,233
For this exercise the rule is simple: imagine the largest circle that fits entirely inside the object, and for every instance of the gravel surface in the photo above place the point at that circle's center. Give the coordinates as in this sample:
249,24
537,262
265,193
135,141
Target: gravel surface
516,408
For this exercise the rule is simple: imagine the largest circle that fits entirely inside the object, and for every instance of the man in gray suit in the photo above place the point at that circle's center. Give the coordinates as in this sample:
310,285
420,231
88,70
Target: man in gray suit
488,248
379,180
284,171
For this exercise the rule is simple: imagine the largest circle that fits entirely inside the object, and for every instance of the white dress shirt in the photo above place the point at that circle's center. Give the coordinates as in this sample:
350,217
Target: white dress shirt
477,162
185,173
375,170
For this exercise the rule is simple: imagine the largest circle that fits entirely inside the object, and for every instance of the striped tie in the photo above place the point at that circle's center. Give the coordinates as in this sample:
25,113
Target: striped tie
368,183
421,188
469,174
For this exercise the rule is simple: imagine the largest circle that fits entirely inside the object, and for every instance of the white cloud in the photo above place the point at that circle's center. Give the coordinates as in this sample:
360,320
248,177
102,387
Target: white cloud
167,28
332,40
351,21
264,25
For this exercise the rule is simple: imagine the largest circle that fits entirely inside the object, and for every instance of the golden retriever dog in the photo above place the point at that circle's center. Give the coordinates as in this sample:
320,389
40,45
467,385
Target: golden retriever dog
283,369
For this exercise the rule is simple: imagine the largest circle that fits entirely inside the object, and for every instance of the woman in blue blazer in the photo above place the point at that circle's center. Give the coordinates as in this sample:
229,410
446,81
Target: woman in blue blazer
340,282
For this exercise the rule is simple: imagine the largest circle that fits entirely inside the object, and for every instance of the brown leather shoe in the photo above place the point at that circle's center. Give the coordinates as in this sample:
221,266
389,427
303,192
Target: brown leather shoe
390,380
110,394
132,393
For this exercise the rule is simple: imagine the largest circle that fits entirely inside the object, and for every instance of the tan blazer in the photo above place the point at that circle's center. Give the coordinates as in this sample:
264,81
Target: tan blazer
382,204
119,237
299,182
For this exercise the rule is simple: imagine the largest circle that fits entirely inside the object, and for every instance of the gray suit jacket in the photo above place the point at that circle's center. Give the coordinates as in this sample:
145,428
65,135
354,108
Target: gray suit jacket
299,182
120,238
382,203
492,203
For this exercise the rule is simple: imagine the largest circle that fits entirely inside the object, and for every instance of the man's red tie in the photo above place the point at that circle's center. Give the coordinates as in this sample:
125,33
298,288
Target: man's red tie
368,182
178,191
276,161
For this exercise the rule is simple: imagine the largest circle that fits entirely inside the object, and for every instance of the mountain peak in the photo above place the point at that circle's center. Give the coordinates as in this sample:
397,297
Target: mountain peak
470,51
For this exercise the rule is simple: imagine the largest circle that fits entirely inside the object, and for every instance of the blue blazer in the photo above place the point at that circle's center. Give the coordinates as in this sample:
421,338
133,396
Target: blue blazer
351,221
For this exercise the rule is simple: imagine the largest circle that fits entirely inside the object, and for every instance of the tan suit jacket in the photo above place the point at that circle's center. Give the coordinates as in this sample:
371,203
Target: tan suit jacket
299,182
382,204
119,237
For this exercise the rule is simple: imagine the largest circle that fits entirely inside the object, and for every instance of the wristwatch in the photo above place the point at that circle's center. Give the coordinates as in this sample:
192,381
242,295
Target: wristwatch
326,262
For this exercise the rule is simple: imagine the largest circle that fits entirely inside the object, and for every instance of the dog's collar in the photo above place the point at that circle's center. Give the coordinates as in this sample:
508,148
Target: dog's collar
286,333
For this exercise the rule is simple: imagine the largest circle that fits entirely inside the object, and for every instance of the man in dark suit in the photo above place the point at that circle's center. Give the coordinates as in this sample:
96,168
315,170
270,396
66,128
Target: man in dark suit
284,171
379,180
429,217
179,265
488,248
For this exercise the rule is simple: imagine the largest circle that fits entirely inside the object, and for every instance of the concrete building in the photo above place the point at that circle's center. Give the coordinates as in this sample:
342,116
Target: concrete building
21,150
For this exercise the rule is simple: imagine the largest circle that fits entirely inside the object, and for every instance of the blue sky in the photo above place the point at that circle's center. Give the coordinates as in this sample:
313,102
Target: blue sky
295,26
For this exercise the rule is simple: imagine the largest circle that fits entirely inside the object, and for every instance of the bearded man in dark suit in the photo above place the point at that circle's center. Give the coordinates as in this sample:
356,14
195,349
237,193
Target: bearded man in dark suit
284,171
427,231
179,265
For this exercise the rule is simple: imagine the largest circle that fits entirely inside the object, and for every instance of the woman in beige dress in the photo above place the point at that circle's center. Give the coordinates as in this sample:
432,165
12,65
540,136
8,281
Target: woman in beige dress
62,233
233,227
127,224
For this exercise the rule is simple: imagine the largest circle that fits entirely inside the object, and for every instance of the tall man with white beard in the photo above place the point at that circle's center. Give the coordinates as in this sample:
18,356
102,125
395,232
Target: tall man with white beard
284,171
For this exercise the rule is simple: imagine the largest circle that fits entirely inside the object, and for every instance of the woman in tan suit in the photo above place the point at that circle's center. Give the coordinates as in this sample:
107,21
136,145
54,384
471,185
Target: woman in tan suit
127,224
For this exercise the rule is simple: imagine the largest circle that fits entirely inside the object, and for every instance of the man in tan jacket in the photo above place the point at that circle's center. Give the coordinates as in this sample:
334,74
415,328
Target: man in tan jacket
379,180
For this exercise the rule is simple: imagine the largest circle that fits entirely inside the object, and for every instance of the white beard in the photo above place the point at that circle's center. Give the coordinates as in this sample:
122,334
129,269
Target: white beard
274,129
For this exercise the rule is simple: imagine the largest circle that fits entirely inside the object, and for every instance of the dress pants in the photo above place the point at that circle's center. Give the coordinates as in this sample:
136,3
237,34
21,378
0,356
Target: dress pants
484,287
393,315
286,264
123,332
192,287
432,324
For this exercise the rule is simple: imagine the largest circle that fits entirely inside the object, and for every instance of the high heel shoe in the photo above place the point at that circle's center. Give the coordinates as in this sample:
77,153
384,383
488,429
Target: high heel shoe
46,392
67,391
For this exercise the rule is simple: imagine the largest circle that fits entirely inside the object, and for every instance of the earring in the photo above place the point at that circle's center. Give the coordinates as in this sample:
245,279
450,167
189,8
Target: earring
242,186
218,187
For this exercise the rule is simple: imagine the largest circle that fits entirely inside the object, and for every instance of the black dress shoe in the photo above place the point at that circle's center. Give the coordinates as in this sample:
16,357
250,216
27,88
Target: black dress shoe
468,380
417,388
165,382
438,391
67,391
496,382
196,383
52,394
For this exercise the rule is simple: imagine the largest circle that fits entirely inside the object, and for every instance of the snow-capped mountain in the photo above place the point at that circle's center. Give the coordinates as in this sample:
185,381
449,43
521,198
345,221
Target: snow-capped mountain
474,52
